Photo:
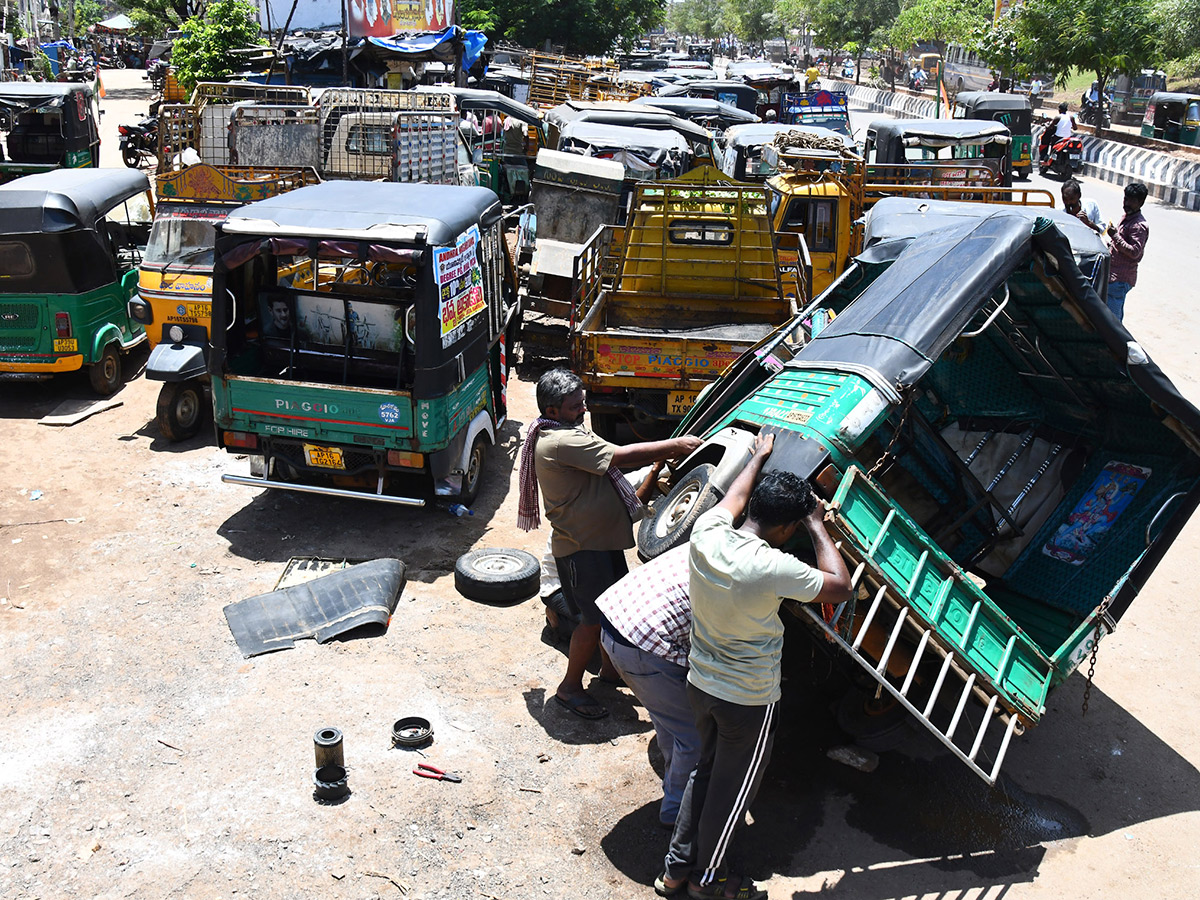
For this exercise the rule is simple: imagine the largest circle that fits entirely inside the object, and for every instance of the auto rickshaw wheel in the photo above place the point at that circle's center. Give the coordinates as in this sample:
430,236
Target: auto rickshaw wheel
180,409
473,477
670,520
105,373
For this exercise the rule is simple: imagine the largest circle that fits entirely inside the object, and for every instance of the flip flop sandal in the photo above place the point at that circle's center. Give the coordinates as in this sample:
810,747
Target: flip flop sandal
663,890
746,890
578,704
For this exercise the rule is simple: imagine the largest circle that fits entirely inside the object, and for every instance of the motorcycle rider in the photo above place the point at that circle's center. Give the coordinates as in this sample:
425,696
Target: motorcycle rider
1061,126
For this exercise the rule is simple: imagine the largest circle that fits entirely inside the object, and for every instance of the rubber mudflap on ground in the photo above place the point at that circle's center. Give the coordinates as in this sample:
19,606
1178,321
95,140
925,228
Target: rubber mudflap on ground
363,595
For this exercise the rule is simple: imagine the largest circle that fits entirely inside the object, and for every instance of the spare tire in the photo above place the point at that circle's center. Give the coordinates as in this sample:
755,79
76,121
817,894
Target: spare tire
497,575
670,521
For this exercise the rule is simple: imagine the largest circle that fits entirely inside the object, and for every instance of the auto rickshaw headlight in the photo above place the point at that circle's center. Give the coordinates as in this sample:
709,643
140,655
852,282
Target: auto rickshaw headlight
140,311
175,333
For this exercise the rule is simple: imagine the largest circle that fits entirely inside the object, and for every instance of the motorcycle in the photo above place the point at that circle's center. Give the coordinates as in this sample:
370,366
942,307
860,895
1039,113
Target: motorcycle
1093,113
110,62
916,83
1062,156
139,142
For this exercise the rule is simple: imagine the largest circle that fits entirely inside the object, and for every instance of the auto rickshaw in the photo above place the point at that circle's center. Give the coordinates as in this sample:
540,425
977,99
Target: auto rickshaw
362,338
174,299
1013,110
70,244
735,93
938,151
47,126
1173,117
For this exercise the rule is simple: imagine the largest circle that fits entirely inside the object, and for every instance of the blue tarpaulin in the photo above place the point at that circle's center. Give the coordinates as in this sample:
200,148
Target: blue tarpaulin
436,45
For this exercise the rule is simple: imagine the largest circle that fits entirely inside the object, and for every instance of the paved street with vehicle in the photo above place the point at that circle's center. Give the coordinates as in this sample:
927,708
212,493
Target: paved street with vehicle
144,756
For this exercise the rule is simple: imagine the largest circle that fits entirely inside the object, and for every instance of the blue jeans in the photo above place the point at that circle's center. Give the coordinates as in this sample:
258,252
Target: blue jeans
1116,298
661,686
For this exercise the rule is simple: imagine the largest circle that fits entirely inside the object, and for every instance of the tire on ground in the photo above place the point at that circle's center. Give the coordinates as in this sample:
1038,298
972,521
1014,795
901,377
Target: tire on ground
497,575
180,409
670,521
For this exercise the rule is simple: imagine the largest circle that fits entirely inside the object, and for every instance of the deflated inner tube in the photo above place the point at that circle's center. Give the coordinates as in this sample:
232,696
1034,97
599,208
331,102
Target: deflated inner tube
411,731
330,783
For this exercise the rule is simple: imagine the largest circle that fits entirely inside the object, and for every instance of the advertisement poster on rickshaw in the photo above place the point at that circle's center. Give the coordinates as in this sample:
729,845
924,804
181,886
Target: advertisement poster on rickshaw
460,284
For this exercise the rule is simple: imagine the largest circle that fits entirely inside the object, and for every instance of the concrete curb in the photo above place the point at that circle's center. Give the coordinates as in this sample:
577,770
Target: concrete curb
1172,180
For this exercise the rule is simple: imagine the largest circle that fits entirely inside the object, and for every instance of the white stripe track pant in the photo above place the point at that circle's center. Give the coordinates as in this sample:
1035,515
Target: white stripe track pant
736,745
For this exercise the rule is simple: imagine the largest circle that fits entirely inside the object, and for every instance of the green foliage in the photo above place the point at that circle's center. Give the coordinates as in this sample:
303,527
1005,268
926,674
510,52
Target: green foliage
202,52
838,24
1178,23
154,17
941,21
581,26
697,18
1100,36
1000,47
87,13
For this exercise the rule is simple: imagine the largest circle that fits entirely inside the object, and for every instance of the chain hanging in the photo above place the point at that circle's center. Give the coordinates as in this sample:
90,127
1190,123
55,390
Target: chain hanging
1087,690
895,435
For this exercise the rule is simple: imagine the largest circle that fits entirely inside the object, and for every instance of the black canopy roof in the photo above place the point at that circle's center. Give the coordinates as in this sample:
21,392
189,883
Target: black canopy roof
1172,97
369,210
626,116
992,100
34,94
65,198
909,315
478,98
699,107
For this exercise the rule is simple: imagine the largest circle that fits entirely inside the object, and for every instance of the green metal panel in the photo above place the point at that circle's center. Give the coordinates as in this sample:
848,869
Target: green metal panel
814,403
27,323
440,418
317,412
940,595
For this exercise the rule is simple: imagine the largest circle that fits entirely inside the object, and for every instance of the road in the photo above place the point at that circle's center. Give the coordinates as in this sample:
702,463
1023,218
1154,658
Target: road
142,756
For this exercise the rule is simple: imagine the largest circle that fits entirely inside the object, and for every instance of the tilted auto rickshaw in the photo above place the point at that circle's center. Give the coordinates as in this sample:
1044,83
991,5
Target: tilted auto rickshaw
1173,117
70,244
1004,467
47,126
1012,110
735,93
362,338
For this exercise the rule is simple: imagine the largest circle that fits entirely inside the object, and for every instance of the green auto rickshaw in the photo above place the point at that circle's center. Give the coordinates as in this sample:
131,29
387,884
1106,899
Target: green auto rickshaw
362,337
1012,110
1173,117
70,245
47,126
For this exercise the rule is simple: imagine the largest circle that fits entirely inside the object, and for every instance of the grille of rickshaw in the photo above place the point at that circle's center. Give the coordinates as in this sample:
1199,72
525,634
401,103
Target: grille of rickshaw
18,317
293,453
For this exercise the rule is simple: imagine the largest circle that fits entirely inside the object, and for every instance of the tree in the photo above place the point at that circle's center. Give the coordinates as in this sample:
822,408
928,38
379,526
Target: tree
696,18
581,26
940,21
1100,36
1179,33
202,52
753,21
154,17
999,45
839,24
88,13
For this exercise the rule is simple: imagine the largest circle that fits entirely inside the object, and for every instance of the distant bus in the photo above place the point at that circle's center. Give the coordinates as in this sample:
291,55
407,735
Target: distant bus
964,70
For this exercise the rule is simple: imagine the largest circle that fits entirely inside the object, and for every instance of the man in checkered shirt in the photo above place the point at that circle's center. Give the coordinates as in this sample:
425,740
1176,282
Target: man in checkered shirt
645,626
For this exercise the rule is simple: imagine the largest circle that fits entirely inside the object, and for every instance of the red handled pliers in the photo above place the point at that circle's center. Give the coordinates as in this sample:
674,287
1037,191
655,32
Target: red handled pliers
427,771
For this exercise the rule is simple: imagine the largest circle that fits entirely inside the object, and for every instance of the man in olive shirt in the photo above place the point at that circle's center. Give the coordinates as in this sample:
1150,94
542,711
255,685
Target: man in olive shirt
590,506
739,578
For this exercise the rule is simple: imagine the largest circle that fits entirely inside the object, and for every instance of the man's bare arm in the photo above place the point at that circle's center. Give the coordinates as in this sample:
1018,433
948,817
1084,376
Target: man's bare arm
634,456
738,496
836,585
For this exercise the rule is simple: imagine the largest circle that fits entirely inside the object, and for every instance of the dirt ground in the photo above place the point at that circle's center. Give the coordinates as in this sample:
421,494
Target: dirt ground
142,756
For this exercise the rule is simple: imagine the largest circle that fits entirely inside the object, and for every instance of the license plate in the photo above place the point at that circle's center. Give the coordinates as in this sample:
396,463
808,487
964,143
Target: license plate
66,345
199,310
679,402
1076,156
324,457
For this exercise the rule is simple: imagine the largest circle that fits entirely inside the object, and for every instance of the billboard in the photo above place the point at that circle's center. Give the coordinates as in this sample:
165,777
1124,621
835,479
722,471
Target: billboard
367,18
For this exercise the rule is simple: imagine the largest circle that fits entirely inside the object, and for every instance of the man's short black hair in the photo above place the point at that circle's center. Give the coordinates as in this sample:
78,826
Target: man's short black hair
554,386
1072,185
1062,107
781,498
1137,191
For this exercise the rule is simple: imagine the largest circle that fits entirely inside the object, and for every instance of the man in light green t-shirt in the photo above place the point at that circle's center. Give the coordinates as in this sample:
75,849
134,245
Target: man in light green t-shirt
739,578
